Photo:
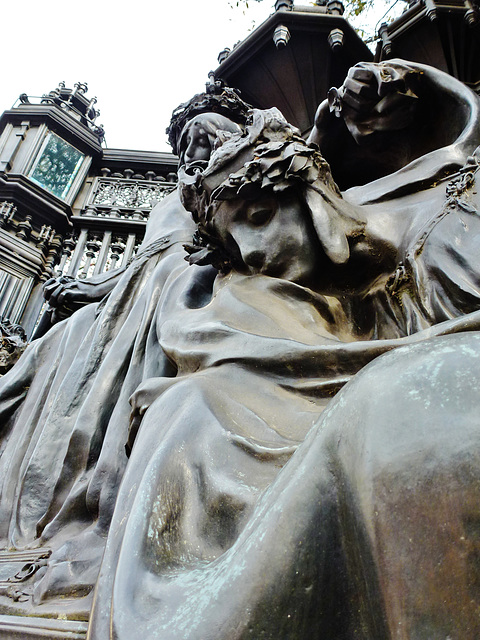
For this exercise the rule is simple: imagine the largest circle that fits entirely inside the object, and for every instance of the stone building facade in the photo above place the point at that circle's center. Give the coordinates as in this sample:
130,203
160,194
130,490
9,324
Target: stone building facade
68,206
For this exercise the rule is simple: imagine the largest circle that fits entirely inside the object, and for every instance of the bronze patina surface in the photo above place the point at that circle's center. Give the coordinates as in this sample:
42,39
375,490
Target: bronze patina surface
299,404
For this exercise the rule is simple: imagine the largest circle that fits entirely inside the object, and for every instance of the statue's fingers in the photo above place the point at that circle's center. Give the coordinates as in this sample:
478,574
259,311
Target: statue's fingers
389,79
48,284
362,71
359,96
64,296
50,287
54,294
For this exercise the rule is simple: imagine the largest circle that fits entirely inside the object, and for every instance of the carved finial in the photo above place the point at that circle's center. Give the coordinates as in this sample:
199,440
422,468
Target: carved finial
335,7
24,229
81,87
386,42
335,39
471,14
210,85
281,36
223,55
431,9
284,4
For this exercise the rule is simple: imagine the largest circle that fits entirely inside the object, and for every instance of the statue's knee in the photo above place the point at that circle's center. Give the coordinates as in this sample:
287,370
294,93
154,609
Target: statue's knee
417,406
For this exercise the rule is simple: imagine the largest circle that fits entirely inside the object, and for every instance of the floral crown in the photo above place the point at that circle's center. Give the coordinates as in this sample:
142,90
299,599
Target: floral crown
270,155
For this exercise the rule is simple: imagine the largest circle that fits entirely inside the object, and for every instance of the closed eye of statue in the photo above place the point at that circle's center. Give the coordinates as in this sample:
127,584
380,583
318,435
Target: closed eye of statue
259,215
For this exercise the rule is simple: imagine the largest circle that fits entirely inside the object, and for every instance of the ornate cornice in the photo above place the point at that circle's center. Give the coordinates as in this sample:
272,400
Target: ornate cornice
58,121
30,197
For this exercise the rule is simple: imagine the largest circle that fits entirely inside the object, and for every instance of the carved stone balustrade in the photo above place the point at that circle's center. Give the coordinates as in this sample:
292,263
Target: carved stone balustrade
125,198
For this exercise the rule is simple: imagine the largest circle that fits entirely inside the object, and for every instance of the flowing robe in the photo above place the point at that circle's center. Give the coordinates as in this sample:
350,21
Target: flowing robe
226,525
65,412
192,550
254,506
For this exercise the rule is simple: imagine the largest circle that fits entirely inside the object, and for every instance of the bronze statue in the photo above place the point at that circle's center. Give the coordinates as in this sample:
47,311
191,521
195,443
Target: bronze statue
235,518
65,407
254,505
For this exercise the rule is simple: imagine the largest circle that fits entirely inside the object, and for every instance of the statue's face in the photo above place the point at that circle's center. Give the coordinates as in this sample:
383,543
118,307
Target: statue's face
195,143
198,136
272,235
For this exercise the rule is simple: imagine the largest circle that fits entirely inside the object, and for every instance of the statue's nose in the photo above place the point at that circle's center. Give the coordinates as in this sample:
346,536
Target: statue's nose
255,259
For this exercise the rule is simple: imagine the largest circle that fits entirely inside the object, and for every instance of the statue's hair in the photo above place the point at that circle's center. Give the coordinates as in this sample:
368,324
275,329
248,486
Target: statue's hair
218,99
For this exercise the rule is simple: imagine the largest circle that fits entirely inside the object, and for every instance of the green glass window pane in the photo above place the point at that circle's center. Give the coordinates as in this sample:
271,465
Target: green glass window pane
57,166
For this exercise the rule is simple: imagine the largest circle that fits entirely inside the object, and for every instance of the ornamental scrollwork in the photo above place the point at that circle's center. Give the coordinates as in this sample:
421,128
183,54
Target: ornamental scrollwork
129,194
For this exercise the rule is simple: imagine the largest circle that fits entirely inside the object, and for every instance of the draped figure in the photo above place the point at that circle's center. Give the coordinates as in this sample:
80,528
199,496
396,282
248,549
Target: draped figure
299,403
256,506
64,408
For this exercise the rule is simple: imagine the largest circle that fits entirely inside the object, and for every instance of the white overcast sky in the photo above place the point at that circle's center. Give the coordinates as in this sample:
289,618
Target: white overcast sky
141,59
